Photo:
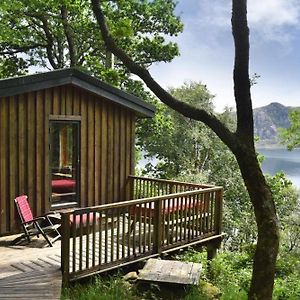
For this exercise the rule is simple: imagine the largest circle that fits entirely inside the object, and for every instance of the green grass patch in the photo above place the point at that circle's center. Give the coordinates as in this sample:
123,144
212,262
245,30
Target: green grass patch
111,288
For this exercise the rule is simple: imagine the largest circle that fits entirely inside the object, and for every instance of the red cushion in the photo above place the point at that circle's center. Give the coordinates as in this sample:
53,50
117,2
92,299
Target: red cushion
63,185
24,208
178,207
84,219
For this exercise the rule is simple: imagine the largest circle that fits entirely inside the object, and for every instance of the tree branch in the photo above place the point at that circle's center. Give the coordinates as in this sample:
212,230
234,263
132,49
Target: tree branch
242,94
13,49
69,34
50,42
185,109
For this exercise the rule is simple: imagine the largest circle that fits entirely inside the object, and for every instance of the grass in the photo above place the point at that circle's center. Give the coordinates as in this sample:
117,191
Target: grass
115,288
100,289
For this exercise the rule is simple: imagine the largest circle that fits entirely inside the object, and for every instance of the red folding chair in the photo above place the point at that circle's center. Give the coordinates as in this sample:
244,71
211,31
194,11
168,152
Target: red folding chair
35,226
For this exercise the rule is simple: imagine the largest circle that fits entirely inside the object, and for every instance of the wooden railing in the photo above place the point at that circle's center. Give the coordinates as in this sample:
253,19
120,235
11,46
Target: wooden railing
169,216
144,187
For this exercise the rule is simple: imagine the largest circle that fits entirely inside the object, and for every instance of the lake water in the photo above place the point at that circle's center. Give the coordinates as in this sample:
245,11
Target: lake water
282,160
275,160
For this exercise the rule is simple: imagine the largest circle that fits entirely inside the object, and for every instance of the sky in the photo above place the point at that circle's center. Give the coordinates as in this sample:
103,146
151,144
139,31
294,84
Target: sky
207,52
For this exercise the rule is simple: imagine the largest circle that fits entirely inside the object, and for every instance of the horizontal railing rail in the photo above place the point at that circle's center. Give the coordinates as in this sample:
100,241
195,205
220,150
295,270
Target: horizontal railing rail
143,187
99,238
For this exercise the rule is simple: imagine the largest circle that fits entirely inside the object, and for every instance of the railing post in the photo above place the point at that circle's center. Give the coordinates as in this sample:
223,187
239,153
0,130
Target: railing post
65,247
130,193
158,226
172,188
219,211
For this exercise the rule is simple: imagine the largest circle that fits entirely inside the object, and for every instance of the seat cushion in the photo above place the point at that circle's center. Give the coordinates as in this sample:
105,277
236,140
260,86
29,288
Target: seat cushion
63,185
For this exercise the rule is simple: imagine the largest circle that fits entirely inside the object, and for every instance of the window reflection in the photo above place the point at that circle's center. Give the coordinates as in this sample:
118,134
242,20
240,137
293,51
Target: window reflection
64,162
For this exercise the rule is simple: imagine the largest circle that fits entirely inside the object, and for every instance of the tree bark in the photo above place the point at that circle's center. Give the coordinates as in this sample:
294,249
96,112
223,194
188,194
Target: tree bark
263,272
241,143
69,35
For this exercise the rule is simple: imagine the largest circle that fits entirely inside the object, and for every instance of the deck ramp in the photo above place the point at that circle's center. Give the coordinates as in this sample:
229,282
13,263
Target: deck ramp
170,271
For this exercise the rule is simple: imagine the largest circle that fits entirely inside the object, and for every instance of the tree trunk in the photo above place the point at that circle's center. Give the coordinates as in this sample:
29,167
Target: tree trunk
267,225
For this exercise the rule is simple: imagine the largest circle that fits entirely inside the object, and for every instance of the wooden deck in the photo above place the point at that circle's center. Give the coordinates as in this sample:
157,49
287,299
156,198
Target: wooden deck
30,271
165,216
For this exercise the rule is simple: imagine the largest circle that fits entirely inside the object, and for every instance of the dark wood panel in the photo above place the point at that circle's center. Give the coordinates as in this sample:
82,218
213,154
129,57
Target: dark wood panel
13,156
110,153
62,100
69,101
122,154
104,170
116,158
55,102
31,161
84,143
22,143
47,110
76,101
90,151
39,141
4,163
97,150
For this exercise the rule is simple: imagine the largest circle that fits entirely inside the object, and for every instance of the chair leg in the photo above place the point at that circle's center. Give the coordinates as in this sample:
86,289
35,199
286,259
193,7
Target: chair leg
132,226
43,234
26,234
58,236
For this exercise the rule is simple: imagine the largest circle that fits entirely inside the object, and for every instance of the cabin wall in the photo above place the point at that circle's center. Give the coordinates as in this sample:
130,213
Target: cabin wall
107,149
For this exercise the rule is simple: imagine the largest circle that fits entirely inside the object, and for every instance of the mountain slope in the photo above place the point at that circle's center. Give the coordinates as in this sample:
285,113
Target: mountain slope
268,119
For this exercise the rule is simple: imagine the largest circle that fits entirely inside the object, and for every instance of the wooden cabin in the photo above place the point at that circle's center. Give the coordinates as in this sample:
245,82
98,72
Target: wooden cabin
66,140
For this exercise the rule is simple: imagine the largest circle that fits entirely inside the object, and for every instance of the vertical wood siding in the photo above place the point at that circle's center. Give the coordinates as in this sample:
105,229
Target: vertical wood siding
106,154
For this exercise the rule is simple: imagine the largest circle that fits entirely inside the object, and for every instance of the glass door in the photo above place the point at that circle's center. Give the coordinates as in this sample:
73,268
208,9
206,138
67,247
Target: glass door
64,163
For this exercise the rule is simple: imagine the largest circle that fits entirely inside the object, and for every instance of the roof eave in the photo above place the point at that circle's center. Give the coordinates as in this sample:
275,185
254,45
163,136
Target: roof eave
26,84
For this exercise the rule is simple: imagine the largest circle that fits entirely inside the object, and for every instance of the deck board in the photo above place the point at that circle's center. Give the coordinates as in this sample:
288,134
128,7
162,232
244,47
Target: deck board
30,271
34,284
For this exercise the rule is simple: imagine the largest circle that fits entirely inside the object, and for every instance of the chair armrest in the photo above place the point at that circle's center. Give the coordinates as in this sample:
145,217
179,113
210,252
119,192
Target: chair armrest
34,220
54,213
38,219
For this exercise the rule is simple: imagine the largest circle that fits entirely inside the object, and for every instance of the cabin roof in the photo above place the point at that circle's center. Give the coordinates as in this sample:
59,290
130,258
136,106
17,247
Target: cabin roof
35,82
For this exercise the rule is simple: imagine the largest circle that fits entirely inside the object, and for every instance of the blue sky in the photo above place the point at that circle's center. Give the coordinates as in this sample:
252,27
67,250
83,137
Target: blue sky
207,52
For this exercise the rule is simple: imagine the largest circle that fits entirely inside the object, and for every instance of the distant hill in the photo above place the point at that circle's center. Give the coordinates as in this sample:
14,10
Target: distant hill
268,119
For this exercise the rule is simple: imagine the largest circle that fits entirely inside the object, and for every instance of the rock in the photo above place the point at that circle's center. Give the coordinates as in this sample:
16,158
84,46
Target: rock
131,276
209,290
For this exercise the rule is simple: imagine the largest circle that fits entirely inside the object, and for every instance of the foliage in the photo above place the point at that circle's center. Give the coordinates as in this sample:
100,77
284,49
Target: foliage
290,237
285,195
291,136
12,66
100,289
58,34
182,146
238,213
231,273
287,284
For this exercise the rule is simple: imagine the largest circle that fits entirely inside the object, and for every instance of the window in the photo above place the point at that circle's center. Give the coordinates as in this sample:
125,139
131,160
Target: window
64,162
